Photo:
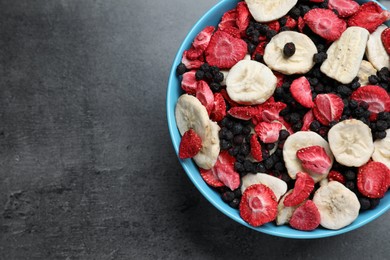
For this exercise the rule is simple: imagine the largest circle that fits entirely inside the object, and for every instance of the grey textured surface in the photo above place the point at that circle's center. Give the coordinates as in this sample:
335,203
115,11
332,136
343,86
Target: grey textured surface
87,169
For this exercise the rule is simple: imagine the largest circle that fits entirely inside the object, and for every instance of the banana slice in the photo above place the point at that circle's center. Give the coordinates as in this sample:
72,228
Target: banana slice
382,150
351,142
285,213
269,10
345,55
375,50
278,186
299,63
250,82
338,206
191,114
300,140
366,69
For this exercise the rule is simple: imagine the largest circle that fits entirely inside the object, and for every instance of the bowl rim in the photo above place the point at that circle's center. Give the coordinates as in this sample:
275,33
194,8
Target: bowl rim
188,165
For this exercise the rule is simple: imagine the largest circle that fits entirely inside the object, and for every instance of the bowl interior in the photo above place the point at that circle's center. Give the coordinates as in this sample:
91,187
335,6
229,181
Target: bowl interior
212,17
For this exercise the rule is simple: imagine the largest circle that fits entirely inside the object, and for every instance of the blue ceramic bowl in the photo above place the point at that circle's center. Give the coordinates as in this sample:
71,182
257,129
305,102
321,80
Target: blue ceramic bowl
212,17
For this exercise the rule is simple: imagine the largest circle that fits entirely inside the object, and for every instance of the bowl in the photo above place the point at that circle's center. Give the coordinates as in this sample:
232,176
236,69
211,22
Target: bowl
174,90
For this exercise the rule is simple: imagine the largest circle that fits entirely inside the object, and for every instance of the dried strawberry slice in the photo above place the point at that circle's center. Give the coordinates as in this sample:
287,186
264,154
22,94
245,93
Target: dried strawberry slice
290,23
314,159
373,179
219,110
325,23
189,83
228,19
268,132
301,92
259,49
224,50
222,172
190,144
211,178
344,8
274,25
385,37
308,118
377,98
369,16
225,170
243,112
191,64
336,176
306,217
243,17
328,108
256,148
304,185
258,205
205,95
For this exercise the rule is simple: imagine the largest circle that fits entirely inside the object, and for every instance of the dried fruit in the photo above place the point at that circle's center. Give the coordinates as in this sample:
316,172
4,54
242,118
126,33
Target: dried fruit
190,144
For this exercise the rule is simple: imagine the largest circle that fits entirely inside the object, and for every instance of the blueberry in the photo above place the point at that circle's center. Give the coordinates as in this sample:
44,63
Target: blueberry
364,203
283,134
227,196
315,126
374,203
215,87
199,75
269,147
225,145
227,122
259,167
237,128
350,175
235,203
350,185
239,167
373,79
289,49
181,69
381,125
245,149
248,165
238,139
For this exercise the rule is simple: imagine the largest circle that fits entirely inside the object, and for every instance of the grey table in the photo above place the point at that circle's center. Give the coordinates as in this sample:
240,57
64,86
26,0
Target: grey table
87,169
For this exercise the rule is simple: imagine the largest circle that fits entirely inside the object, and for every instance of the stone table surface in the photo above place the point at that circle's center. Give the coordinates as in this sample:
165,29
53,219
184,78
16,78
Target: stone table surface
87,168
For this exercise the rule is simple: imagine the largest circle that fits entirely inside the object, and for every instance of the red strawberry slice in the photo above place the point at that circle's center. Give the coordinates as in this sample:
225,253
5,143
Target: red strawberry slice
268,111
306,217
280,79
301,92
233,31
256,148
243,113
301,24
243,17
328,108
189,83
303,186
225,170
190,144
228,99
290,23
345,8
370,15
222,172
336,176
211,178
274,25
224,50
308,118
325,23
219,111
259,49
202,40
314,159
377,98
193,54
373,179
205,95
268,132
191,64
258,205
385,37
228,19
